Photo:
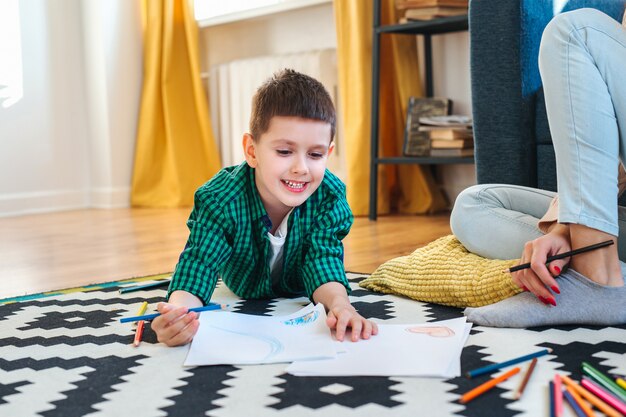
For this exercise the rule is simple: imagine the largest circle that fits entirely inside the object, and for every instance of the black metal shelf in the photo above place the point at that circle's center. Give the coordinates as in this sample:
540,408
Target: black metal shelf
432,27
425,28
427,160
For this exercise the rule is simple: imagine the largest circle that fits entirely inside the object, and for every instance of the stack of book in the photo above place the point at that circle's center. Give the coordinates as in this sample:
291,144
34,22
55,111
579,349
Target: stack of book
412,10
449,135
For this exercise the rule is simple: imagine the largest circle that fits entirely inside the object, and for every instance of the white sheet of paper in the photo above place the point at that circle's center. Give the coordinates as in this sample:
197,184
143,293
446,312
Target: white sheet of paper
227,338
428,349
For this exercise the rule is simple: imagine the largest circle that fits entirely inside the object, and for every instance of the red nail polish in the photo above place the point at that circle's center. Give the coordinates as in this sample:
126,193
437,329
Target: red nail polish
552,301
543,300
555,289
558,270
524,288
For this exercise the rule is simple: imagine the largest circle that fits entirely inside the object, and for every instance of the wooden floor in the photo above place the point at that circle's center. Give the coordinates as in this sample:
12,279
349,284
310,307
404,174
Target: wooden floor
68,249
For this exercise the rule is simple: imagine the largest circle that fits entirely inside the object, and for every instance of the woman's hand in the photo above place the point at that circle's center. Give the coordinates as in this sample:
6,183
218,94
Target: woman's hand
539,277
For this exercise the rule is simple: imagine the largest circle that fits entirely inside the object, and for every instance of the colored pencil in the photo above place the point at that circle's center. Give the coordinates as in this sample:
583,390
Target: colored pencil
621,382
140,324
604,395
597,402
494,367
551,397
481,389
139,332
558,396
572,402
522,385
565,255
157,284
587,411
604,381
149,317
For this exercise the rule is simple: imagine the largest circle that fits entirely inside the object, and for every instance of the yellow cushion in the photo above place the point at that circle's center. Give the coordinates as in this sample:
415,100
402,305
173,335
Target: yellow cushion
444,272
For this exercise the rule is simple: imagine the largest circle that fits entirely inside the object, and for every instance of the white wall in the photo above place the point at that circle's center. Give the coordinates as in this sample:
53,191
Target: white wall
68,143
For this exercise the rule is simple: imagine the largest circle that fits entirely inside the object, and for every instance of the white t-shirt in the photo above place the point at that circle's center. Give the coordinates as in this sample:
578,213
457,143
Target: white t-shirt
277,243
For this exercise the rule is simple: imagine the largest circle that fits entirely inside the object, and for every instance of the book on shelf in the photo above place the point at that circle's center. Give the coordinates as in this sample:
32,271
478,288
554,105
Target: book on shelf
454,152
452,120
451,143
428,13
415,4
437,132
417,142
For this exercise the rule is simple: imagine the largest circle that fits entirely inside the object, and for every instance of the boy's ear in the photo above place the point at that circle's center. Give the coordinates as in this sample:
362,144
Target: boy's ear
331,147
249,151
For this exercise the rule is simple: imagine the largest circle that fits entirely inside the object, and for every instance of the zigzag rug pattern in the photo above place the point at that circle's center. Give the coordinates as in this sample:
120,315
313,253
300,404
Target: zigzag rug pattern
68,355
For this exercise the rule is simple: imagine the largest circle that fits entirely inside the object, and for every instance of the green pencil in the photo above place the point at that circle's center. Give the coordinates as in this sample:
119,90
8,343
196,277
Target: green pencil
604,381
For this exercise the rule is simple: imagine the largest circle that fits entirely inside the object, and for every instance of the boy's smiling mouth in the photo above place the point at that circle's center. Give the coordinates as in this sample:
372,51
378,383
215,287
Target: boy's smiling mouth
295,186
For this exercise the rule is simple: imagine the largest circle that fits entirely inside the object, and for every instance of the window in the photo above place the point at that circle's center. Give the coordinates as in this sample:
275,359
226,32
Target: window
11,90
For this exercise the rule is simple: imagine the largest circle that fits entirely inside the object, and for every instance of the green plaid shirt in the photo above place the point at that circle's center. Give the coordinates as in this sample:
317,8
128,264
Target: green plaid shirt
228,237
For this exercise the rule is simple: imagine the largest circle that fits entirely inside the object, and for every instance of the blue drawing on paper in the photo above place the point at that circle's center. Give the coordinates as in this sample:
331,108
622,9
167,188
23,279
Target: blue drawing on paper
307,318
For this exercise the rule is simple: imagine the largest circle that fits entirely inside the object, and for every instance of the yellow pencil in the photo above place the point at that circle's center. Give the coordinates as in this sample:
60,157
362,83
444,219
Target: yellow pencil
621,382
597,402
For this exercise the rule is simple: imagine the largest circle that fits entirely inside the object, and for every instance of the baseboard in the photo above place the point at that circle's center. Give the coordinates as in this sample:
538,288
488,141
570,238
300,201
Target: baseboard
20,204
118,197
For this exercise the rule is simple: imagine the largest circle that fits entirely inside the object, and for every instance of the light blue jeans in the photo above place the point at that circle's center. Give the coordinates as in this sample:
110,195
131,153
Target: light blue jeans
582,60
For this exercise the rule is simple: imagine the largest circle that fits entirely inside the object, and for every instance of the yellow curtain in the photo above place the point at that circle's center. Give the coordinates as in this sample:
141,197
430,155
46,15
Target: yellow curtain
175,151
407,188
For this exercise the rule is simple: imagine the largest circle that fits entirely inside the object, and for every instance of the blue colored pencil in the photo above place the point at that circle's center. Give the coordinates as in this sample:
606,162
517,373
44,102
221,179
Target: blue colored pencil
572,402
494,367
164,283
149,317
551,396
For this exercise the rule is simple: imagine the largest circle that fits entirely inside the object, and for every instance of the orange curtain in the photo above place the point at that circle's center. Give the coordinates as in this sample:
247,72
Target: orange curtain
175,151
405,188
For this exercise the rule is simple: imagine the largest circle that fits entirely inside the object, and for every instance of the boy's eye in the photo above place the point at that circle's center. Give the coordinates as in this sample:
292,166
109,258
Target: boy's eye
316,155
283,151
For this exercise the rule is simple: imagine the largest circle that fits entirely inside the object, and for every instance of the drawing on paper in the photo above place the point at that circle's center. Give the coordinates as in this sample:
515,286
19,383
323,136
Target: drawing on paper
434,331
309,317
275,345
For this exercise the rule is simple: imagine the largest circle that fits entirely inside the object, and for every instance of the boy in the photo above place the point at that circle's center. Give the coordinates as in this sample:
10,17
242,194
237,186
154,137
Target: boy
273,225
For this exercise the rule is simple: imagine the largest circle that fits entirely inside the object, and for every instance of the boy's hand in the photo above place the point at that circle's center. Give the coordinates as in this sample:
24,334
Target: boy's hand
175,326
344,316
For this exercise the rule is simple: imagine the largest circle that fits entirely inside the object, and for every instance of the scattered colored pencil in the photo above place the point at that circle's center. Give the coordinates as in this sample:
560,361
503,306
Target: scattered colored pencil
604,381
597,402
494,367
564,255
140,324
149,317
558,396
551,396
621,382
152,285
587,411
572,402
139,333
604,395
522,385
481,389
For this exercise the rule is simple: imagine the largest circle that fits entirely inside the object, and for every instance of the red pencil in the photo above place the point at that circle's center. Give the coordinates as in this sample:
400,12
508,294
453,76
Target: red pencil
138,333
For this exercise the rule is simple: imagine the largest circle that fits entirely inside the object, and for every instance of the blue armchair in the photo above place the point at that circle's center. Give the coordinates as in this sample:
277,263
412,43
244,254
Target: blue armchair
511,133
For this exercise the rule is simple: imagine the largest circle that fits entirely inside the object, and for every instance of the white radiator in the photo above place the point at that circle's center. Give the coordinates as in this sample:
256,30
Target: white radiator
232,85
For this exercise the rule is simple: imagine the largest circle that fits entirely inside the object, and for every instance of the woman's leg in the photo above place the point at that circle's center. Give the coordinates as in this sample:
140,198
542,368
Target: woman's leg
582,59
582,62
496,220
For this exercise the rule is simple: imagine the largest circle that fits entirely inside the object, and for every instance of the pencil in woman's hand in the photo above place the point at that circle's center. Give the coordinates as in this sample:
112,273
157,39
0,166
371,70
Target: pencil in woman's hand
564,255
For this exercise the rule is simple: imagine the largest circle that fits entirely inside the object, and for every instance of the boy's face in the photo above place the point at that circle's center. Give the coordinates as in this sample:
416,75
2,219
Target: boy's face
290,160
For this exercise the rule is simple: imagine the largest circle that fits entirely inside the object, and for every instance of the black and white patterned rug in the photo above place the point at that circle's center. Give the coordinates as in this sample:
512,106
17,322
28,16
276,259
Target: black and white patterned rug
68,355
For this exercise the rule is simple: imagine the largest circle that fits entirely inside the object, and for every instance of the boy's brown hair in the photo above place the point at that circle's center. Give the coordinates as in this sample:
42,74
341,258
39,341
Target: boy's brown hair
291,94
